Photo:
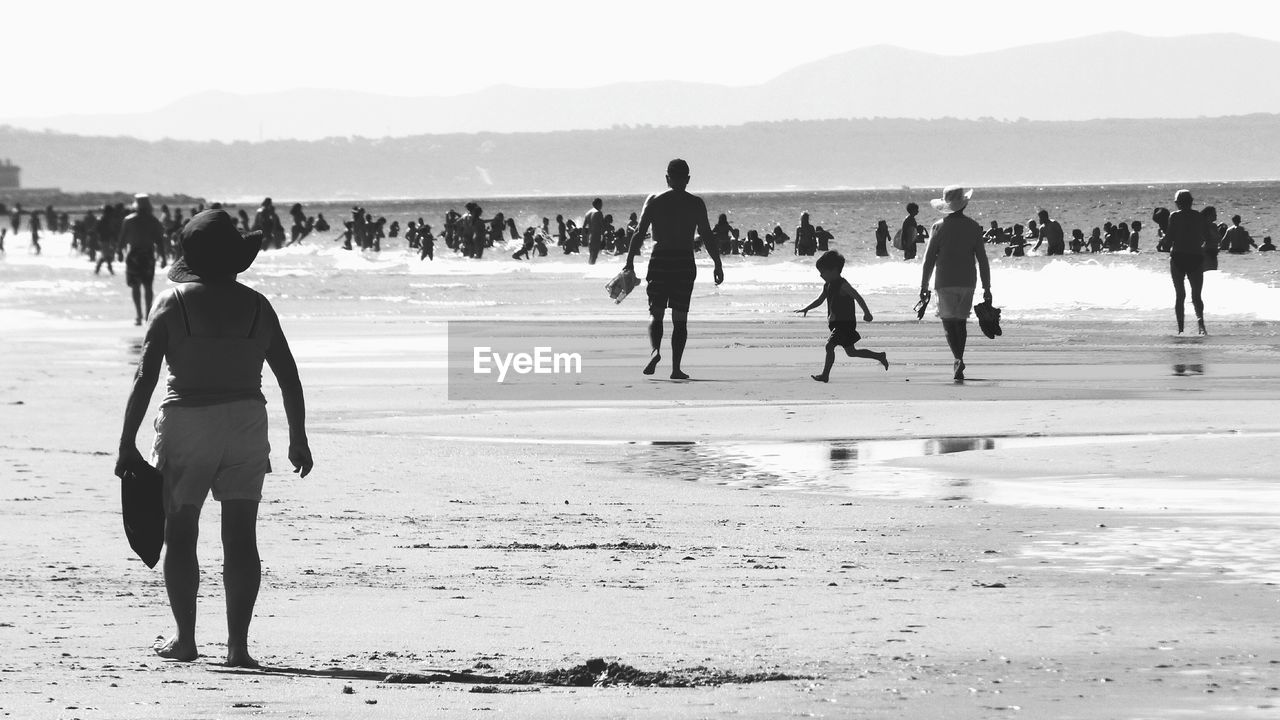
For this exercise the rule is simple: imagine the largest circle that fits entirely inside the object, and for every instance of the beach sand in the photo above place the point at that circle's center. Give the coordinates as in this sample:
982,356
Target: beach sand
1103,547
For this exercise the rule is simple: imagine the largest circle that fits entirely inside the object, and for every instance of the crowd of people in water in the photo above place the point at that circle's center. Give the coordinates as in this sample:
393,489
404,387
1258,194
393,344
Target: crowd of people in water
470,234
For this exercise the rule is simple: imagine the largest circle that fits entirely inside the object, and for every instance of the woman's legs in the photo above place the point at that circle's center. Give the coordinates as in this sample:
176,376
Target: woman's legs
241,575
182,580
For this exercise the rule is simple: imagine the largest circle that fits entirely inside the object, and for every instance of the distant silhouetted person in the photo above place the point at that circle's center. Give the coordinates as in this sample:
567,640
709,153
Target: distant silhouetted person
883,236
1237,240
593,226
142,239
909,232
1187,235
34,222
1050,232
824,238
674,216
806,237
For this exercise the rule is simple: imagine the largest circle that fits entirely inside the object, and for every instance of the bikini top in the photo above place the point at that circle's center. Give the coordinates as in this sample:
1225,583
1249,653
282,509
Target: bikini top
213,370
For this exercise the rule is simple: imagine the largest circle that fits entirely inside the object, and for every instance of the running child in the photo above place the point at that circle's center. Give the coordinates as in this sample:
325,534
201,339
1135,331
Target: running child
842,314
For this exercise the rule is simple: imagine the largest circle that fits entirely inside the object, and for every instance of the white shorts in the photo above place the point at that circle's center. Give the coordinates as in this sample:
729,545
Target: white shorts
954,303
219,447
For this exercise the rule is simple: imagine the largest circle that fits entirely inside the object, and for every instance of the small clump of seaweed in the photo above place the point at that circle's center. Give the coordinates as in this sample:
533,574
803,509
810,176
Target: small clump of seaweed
598,672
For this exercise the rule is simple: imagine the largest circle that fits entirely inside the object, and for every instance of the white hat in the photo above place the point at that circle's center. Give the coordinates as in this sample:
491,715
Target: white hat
954,198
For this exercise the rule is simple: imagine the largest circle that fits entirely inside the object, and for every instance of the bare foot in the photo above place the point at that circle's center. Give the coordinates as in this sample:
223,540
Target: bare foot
653,364
241,659
678,375
819,378
1200,327
884,360
959,368
174,649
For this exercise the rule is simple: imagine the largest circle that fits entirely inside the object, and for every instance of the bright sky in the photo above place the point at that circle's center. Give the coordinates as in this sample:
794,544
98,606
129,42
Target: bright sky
83,56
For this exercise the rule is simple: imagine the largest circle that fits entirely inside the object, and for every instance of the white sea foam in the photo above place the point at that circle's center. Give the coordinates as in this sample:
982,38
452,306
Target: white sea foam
1073,287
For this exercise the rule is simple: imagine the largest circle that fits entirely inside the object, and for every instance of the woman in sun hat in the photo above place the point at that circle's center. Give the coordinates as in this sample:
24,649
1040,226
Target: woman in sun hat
955,248
211,429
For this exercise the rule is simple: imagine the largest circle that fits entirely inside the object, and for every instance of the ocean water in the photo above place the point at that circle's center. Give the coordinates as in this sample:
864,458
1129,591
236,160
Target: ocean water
318,278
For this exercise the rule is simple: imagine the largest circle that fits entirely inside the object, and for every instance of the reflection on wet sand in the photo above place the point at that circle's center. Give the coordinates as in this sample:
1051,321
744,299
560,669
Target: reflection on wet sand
1188,369
1224,530
843,466
867,467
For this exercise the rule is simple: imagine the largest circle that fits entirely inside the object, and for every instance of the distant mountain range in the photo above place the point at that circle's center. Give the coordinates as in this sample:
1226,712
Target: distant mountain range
797,154
1116,75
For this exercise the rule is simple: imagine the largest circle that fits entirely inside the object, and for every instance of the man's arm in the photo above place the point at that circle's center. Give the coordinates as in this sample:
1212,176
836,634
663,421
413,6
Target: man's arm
638,239
285,368
709,242
154,345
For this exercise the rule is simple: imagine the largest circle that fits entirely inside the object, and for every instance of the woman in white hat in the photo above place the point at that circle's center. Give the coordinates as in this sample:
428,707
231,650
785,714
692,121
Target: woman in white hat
955,248
211,430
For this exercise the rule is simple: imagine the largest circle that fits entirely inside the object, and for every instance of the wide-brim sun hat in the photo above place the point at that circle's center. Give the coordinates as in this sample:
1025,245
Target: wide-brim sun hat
954,199
213,248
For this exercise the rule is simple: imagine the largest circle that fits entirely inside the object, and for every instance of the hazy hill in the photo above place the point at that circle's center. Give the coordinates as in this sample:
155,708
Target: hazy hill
756,156
1102,76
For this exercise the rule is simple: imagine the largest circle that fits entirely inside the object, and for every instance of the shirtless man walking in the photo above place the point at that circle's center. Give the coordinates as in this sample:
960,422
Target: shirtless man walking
673,217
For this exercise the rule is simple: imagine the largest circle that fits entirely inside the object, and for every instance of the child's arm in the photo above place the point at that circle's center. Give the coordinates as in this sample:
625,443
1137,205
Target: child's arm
851,292
821,299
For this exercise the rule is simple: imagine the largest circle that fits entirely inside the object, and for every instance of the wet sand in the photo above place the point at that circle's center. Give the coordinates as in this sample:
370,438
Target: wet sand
1019,581
1091,535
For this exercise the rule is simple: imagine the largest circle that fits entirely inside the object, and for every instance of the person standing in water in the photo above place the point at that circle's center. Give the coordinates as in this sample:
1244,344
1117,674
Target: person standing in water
1050,232
955,248
882,239
909,232
593,228
211,428
1186,236
673,216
